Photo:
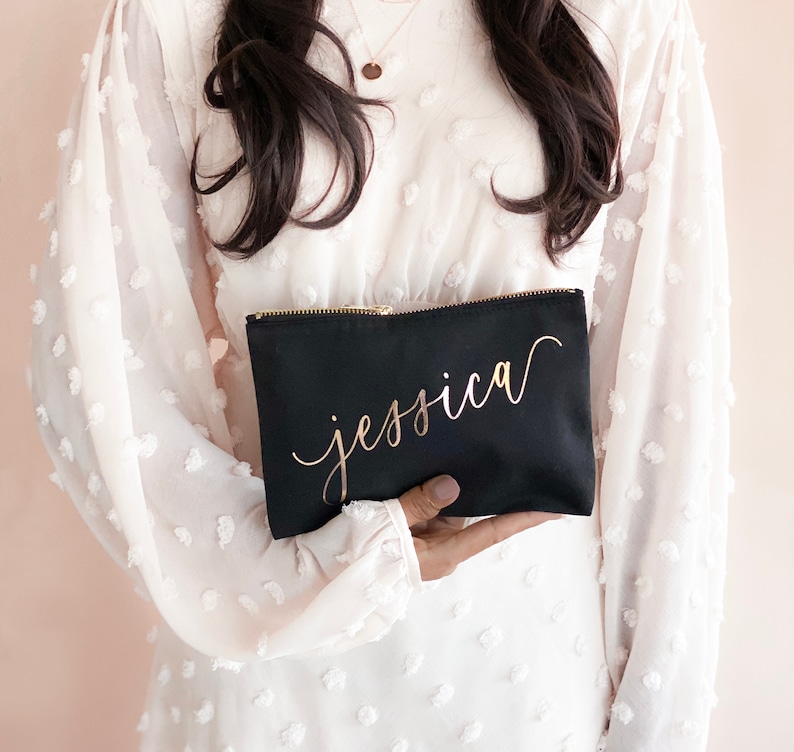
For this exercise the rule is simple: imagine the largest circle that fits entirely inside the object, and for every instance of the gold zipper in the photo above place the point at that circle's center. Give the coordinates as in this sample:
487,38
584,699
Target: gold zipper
387,310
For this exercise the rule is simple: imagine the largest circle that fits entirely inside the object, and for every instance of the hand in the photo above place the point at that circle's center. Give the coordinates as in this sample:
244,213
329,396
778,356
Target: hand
443,542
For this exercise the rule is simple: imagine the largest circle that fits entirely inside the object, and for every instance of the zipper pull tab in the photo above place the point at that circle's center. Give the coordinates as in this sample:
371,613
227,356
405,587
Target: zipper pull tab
381,310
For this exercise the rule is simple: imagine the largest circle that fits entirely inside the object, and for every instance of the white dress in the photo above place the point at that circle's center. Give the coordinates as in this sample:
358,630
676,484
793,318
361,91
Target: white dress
581,634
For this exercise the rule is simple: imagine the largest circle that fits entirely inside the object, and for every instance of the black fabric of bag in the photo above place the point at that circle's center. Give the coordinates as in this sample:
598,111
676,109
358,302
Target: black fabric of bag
317,375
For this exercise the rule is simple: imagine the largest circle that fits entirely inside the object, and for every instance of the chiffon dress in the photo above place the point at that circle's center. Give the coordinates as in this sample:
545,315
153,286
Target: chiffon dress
582,634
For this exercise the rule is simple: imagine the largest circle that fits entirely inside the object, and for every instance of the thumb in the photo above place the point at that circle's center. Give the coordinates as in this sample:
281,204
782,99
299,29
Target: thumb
424,502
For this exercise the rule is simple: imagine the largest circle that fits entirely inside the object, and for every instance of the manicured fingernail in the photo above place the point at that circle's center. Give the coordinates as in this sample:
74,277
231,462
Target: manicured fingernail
444,487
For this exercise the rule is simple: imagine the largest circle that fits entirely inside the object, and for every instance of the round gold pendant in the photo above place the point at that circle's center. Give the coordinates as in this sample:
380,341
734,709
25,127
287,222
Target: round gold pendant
371,71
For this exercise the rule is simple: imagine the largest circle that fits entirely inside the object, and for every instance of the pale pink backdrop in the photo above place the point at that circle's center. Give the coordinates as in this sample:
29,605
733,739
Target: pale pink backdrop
73,637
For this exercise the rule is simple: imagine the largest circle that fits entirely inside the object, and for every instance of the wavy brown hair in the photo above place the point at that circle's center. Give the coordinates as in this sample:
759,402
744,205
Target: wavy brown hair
273,95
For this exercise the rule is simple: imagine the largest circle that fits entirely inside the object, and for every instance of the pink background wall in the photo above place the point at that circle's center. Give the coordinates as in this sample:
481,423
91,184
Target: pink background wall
73,651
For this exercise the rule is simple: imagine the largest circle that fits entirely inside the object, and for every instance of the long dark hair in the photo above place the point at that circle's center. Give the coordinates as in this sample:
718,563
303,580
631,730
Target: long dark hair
262,78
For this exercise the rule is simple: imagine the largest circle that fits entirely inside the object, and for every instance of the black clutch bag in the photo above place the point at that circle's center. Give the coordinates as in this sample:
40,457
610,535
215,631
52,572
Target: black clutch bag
363,403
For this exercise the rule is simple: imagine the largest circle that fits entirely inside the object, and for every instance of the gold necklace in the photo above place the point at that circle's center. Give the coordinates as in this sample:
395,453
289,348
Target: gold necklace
373,70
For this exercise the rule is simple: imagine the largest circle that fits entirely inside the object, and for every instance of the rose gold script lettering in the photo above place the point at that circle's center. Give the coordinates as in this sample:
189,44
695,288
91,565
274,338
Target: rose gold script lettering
392,429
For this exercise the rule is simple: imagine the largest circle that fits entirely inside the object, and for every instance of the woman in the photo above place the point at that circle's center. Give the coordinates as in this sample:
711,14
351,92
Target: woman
577,634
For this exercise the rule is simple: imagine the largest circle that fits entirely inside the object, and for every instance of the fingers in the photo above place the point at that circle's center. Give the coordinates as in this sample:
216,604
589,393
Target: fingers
488,532
441,547
422,503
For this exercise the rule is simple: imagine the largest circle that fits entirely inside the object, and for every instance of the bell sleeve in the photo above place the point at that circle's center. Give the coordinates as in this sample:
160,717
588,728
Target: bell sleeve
660,358
127,402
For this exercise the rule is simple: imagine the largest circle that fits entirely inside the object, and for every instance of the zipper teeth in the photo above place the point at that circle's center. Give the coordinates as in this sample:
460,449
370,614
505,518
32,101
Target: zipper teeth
383,310
524,294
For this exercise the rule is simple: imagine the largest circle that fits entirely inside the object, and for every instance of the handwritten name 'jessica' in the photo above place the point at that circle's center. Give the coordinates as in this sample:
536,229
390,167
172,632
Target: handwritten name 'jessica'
392,429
